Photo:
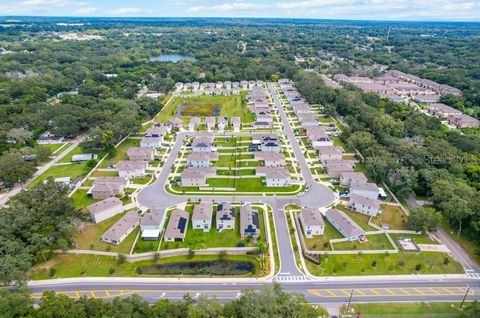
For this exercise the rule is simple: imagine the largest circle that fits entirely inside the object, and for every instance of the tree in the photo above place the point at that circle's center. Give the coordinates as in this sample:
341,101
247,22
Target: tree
18,304
19,136
424,219
472,310
13,168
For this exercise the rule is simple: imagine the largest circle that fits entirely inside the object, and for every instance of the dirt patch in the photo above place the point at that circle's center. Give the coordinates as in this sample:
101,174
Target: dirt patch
200,109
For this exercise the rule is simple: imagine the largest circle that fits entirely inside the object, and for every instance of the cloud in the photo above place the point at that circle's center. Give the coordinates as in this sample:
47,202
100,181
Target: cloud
239,6
127,10
57,3
87,10
195,9
308,4
459,6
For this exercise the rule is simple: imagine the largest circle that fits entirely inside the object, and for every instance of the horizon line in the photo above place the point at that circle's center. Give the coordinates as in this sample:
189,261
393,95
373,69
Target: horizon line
244,18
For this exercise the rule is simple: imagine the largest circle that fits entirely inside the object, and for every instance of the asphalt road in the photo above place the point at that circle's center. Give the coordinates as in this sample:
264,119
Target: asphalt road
315,292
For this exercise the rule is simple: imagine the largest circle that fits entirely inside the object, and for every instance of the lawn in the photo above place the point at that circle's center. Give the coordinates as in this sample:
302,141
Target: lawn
197,239
225,141
393,216
52,147
225,161
374,242
89,238
391,310
393,264
112,173
73,170
257,185
145,246
121,153
81,199
70,265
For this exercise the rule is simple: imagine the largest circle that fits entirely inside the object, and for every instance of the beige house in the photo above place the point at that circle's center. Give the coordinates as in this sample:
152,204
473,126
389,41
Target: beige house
105,209
105,187
312,222
202,216
177,226
196,176
120,230
140,154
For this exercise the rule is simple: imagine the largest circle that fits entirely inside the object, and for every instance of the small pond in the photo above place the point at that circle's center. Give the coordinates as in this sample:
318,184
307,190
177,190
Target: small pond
172,58
213,267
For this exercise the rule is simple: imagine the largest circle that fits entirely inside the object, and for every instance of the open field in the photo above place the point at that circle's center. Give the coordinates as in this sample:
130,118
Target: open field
81,199
392,264
69,265
393,216
205,105
73,170
121,153
404,310
374,242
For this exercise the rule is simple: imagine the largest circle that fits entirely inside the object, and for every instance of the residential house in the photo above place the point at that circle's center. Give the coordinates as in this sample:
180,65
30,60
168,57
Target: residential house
177,226
120,230
202,216
345,225
157,131
84,157
249,222
222,123
196,176
442,110
201,159
236,123
194,123
176,123
335,167
348,178
140,154
152,223
369,190
262,125
210,123
329,153
270,159
274,176
364,205
48,138
151,142
312,222
105,209
105,187
463,121
203,143
178,86
131,169
225,218
318,137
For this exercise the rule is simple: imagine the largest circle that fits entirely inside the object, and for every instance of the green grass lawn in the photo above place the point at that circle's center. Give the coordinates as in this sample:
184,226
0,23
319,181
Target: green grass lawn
339,142
225,161
145,246
121,153
197,239
221,183
73,170
81,199
225,141
52,147
89,238
70,265
360,219
385,265
97,173
375,242
404,310
393,216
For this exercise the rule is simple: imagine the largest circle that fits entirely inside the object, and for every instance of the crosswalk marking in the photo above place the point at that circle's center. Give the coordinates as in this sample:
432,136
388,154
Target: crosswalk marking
291,279
473,275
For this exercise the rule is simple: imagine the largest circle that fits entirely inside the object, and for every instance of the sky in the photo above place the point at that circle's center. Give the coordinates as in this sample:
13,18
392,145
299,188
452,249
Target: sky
404,10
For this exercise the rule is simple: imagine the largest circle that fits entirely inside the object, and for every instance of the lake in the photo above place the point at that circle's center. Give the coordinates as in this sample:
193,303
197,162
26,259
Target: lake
172,58
213,267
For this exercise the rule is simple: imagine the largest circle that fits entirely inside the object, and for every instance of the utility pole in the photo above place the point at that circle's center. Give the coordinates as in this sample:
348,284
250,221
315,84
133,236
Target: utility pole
350,300
464,297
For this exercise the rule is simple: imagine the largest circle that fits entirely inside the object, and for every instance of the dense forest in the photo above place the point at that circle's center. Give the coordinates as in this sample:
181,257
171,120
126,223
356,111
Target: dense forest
409,151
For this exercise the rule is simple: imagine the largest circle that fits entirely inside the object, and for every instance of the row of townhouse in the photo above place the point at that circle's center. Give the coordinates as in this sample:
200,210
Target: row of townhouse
260,106
265,142
202,217
211,122
453,116
235,87
300,106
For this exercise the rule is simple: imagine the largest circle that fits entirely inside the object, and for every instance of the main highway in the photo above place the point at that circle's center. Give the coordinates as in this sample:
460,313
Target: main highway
316,290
